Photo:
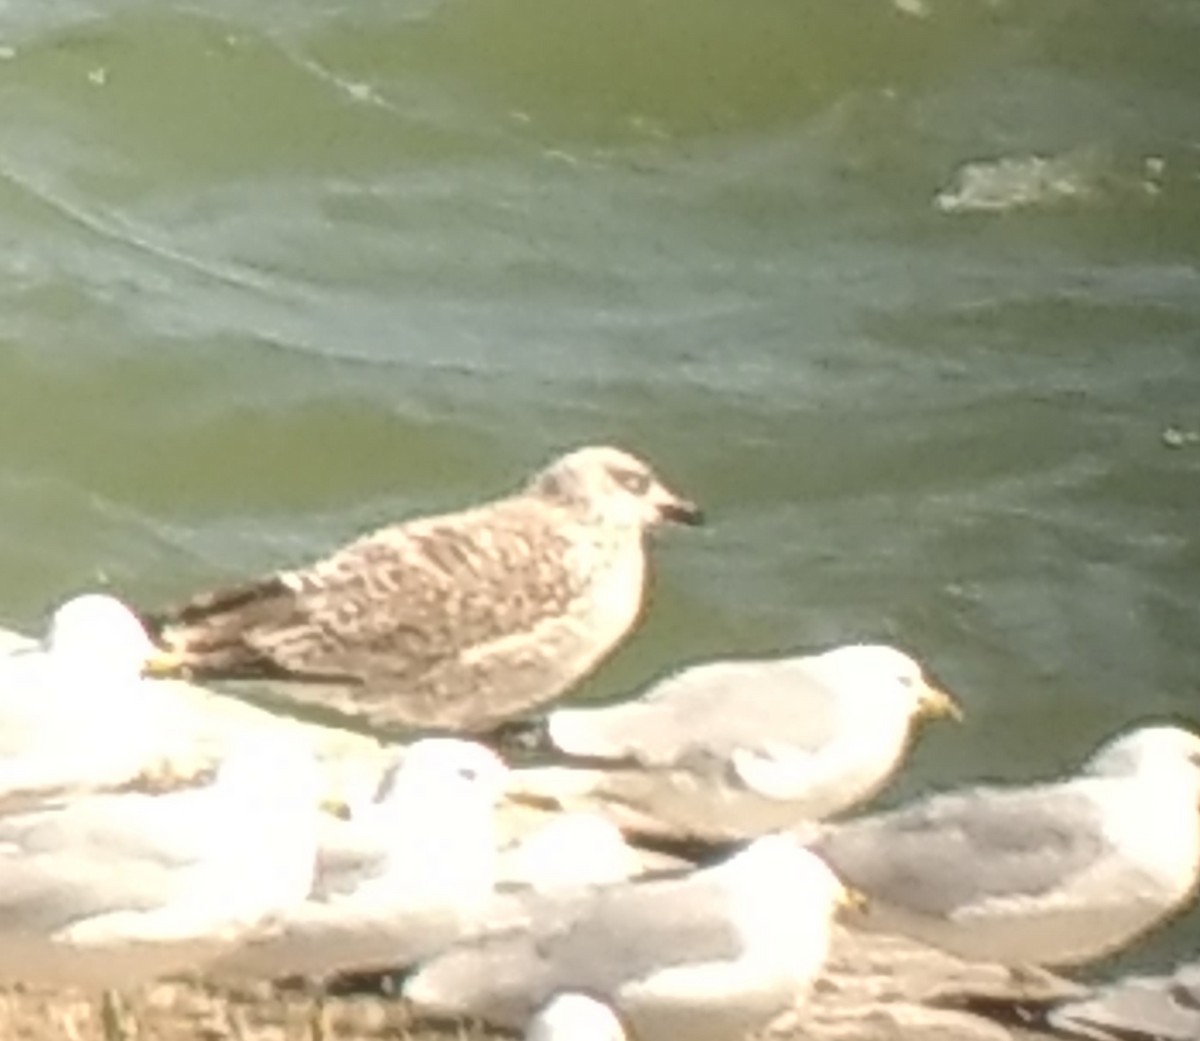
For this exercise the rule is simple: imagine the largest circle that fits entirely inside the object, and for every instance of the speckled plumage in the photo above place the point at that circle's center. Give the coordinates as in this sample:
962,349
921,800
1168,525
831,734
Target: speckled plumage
457,621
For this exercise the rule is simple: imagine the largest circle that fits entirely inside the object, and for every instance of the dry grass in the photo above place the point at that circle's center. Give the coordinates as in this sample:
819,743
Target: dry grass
198,1011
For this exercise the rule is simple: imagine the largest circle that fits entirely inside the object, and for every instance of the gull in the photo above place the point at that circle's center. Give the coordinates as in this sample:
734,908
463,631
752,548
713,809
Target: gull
734,749
454,622
74,710
708,956
399,881
1149,1008
1133,1008
1053,874
576,849
571,1016
102,892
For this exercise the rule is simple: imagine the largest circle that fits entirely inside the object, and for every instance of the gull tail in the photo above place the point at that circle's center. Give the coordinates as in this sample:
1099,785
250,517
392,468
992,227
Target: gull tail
521,739
210,635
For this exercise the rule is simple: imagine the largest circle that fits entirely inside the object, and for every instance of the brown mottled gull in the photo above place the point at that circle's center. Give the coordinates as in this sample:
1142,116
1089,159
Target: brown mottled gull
457,621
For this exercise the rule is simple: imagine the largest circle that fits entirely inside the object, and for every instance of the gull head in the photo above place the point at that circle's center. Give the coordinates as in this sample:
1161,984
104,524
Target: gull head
781,871
888,678
612,487
783,899
572,1016
1150,751
96,632
448,768
439,800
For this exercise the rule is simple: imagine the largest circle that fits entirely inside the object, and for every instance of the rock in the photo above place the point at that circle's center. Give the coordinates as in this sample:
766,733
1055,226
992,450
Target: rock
876,989
880,987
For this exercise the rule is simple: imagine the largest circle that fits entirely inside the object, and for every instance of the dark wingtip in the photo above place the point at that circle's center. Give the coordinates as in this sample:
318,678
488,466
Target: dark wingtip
520,738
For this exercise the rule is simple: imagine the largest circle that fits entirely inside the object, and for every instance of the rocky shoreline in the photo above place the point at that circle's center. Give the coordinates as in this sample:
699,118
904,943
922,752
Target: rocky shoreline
874,989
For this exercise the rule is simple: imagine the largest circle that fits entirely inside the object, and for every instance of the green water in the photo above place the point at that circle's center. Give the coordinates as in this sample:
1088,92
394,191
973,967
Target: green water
907,298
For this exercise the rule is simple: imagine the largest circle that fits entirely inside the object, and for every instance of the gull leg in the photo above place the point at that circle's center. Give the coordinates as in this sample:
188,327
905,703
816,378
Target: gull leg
318,1017
1033,979
68,1022
113,1020
236,1021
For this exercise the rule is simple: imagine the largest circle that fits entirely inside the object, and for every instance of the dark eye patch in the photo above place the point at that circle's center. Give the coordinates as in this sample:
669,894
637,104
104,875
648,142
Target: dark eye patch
633,481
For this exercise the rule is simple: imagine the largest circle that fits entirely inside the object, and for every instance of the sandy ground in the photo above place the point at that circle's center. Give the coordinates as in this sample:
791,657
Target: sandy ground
875,989
195,1011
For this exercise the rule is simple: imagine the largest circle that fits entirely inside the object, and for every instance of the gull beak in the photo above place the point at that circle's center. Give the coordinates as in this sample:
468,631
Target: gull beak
854,900
162,664
678,510
937,704
334,806
533,800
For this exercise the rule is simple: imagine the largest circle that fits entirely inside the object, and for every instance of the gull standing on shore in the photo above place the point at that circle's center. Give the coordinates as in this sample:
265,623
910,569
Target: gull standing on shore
707,956
734,749
457,621
1052,874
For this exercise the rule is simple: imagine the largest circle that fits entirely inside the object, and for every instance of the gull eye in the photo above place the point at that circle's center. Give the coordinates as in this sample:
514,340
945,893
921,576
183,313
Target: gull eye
633,481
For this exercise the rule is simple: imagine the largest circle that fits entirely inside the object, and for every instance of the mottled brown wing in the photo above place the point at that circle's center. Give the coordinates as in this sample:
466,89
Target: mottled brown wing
394,602
207,634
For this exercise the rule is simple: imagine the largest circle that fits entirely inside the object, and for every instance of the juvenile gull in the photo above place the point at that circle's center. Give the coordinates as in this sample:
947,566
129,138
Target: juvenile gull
456,621
572,1016
733,749
708,956
400,881
1051,874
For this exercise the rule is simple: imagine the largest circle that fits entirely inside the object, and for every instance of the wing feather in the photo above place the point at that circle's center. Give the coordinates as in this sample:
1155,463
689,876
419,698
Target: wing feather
395,602
953,851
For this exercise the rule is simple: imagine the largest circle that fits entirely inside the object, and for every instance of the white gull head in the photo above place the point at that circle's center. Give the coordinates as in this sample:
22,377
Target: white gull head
885,677
1150,751
96,632
572,1016
614,488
